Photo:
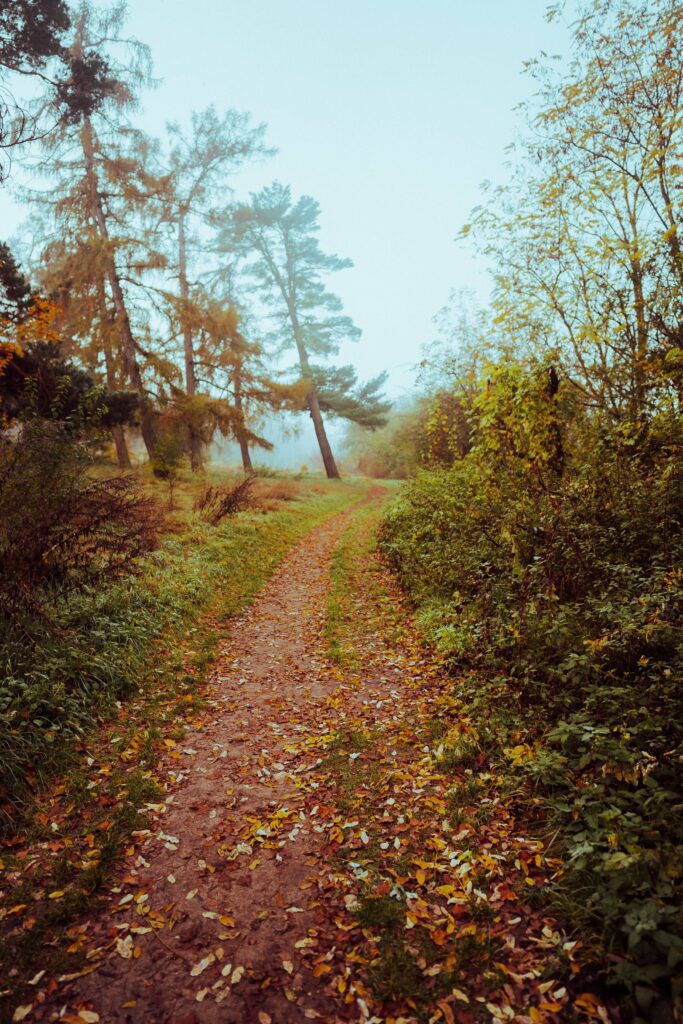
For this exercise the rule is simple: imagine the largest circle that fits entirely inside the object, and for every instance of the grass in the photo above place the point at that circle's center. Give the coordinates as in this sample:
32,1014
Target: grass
352,552
397,956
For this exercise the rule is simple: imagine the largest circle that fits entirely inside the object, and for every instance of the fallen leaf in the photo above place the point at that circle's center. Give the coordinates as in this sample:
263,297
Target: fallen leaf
200,967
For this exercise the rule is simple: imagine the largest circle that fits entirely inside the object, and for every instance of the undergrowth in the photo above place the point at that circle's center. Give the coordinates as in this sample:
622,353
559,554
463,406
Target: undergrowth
546,566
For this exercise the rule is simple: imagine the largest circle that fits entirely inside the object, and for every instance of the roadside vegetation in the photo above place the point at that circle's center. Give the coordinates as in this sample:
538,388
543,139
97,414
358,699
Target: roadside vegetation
541,538
538,534
555,597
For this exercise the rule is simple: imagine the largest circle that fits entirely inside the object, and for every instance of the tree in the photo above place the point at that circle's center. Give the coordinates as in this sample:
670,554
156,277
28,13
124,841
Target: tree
199,166
35,377
31,32
393,451
16,294
38,381
587,239
103,188
278,238
340,394
31,37
239,386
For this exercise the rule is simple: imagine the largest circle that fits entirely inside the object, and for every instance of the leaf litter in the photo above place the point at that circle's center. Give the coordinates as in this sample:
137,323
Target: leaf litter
310,856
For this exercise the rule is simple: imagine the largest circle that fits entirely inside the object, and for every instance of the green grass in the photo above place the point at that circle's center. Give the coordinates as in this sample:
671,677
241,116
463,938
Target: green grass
349,557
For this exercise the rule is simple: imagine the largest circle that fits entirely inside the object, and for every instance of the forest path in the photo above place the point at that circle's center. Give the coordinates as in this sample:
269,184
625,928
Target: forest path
308,861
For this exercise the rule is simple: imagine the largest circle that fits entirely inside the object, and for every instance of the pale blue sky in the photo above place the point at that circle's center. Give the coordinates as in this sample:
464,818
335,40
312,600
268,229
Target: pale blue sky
389,112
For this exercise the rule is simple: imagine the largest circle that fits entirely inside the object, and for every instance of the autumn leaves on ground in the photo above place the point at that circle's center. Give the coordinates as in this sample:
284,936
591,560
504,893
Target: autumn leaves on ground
303,844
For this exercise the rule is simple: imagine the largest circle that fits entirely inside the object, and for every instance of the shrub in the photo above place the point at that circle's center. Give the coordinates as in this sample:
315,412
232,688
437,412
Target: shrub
58,526
168,457
548,563
217,503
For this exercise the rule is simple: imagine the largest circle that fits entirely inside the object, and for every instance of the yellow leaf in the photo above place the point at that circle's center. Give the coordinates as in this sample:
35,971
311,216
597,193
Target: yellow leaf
448,1014
200,967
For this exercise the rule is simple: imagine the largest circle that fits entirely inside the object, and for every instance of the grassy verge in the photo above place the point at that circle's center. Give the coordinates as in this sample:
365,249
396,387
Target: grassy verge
434,933
566,654
92,708
352,555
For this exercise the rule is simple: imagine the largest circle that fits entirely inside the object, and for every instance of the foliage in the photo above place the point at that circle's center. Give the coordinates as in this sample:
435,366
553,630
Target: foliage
391,452
341,395
169,456
33,368
30,32
38,379
217,503
585,242
547,564
31,36
15,292
80,531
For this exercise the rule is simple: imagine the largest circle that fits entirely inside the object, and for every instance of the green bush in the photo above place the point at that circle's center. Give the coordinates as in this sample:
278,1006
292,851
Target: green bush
548,563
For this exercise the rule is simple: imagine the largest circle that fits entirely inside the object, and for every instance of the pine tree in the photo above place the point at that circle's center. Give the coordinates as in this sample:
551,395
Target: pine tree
102,193
200,164
31,42
277,238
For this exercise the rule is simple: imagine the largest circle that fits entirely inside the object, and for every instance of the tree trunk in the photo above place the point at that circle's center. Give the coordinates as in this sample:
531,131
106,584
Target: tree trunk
324,445
240,431
640,342
117,432
313,403
122,318
188,344
119,439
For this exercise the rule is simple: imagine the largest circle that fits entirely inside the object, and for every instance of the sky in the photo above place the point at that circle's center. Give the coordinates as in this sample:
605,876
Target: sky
391,113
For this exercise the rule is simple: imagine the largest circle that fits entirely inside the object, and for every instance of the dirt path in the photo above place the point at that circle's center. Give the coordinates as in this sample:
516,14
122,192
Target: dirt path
229,863
284,865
